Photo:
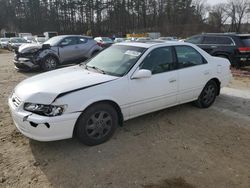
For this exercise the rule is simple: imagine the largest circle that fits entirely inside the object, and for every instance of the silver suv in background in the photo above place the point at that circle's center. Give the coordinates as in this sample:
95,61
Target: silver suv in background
55,51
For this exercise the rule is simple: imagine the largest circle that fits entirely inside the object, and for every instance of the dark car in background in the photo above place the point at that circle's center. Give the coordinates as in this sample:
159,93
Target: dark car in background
55,51
234,47
15,42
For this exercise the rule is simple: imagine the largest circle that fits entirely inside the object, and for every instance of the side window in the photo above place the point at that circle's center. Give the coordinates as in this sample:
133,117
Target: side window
209,40
188,56
69,41
225,41
82,40
159,60
195,40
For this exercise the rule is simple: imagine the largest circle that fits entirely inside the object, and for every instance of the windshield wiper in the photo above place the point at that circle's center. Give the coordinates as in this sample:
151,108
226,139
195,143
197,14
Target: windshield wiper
96,68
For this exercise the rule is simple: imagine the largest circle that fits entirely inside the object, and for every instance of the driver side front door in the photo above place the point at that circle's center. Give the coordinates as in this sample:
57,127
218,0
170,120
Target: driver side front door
68,49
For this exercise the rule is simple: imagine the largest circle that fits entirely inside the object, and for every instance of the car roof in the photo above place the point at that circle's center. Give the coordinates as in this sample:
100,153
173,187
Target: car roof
63,36
150,44
224,34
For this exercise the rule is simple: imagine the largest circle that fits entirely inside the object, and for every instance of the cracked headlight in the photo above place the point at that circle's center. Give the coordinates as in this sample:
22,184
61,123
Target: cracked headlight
45,110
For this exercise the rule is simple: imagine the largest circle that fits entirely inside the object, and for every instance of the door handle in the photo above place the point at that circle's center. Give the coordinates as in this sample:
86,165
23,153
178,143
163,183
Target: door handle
172,80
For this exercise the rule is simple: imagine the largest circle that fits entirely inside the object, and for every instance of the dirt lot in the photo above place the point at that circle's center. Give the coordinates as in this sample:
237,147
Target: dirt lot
180,147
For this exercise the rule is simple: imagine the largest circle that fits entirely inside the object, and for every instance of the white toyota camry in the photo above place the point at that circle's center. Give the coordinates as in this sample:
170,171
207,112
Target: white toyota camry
122,82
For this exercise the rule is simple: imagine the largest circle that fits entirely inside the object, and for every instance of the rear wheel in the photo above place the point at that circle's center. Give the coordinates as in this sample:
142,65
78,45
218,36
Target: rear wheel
97,124
208,95
49,63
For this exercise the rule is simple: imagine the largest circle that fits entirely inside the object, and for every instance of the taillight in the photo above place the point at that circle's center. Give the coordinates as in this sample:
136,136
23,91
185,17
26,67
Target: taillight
244,50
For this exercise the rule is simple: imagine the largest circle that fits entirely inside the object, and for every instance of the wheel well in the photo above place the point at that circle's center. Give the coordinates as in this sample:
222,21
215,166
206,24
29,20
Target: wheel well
112,103
217,81
51,55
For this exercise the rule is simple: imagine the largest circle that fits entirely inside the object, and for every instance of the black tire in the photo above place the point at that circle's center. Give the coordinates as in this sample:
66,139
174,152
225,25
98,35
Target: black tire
96,124
208,95
49,63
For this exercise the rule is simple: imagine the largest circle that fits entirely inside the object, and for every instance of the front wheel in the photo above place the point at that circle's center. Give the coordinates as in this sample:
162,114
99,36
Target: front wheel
49,63
97,124
208,95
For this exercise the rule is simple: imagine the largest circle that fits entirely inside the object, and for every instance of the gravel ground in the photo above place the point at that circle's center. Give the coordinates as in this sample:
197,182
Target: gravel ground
180,147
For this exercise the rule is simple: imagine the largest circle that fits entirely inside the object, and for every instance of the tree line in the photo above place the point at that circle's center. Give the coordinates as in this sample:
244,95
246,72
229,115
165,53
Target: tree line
118,17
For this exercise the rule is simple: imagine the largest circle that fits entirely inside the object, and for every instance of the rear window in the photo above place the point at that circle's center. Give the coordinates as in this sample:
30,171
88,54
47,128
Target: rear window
246,40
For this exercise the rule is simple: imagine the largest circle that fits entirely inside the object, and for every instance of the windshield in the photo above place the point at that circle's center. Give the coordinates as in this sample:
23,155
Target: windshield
116,60
54,40
18,40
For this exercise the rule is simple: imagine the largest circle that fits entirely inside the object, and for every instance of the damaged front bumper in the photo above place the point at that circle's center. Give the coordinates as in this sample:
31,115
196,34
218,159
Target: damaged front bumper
25,62
42,128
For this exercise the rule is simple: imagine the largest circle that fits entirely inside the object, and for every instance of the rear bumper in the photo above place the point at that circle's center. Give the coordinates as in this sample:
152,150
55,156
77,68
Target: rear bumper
241,60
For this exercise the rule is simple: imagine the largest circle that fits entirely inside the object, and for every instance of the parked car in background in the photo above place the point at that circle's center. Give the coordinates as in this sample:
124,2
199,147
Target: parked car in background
30,39
15,42
117,40
55,51
143,39
104,42
50,34
4,42
40,40
22,35
234,47
124,81
168,38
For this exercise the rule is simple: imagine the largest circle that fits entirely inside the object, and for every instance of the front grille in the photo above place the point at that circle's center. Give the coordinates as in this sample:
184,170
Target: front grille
16,101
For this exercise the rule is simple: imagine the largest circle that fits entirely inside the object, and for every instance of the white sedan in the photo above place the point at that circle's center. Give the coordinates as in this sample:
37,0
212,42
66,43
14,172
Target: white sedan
124,81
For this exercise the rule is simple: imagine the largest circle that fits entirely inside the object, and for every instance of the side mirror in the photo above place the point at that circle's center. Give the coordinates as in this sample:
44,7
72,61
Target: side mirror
46,46
142,73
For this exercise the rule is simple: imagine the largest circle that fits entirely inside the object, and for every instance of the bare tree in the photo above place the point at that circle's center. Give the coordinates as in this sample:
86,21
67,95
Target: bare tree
218,17
237,11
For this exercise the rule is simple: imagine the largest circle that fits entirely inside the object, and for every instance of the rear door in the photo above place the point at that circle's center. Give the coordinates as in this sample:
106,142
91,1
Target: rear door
68,49
83,47
193,73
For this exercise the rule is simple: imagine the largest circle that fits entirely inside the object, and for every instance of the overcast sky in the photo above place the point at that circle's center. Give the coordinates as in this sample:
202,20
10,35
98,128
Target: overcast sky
212,2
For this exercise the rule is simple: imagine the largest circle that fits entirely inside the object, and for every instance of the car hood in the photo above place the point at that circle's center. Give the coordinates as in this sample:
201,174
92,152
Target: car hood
44,88
27,47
